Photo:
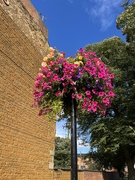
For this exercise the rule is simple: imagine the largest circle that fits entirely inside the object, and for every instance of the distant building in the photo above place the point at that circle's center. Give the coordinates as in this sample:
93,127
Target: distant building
82,162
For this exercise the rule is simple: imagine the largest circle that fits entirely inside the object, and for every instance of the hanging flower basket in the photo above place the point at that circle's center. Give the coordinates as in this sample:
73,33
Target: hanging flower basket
83,77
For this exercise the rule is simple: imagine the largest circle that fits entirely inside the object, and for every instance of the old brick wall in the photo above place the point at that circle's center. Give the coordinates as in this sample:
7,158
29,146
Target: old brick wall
93,175
25,16
85,175
66,175
26,139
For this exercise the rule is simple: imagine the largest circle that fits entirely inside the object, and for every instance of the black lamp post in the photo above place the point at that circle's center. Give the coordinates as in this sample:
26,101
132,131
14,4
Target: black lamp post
74,173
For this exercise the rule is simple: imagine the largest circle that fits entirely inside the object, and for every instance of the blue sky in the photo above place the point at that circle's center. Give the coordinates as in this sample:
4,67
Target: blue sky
73,24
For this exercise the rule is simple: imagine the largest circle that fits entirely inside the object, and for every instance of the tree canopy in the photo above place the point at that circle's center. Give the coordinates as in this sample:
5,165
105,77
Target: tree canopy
62,152
114,135
126,21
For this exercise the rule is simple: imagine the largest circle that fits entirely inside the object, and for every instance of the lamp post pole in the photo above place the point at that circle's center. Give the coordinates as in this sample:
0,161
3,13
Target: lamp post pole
74,173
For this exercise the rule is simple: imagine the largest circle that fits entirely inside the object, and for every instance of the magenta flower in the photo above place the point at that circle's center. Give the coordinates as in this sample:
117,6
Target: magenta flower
111,76
101,94
105,100
58,93
73,95
65,83
100,75
110,93
49,74
65,90
94,103
40,94
95,92
79,96
94,109
88,93
89,108
93,72
69,77
83,77
81,50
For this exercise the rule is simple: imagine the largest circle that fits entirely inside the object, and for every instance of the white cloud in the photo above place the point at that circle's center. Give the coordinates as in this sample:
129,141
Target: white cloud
60,130
103,11
63,132
82,148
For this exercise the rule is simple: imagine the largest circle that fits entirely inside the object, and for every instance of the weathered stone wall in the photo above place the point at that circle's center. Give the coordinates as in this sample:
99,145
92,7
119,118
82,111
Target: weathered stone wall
26,139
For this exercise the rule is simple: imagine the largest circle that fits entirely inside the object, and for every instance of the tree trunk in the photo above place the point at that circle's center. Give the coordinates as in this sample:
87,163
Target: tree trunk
131,170
130,165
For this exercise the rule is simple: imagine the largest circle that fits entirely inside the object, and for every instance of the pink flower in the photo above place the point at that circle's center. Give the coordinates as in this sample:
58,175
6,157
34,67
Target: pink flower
72,83
74,88
94,103
89,97
111,76
101,94
104,113
37,84
46,86
65,83
49,74
93,72
105,100
65,90
84,104
87,93
40,113
58,93
79,96
40,94
39,77
109,85
81,50
62,79
69,77
92,53
73,95
94,91
94,109
89,108
110,93
100,75
56,69
90,83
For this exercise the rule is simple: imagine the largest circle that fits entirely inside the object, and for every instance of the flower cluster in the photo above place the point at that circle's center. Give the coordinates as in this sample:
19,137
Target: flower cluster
84,77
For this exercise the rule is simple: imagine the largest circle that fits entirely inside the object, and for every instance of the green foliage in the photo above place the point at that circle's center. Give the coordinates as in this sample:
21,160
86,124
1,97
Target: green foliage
113,137
114,134
108,159
126,21
93,166
62,152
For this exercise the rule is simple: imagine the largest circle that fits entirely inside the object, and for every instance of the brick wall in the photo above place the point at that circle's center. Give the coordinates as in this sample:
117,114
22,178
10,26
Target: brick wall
26,139
25,16
85,175
82,175
93,175
66,175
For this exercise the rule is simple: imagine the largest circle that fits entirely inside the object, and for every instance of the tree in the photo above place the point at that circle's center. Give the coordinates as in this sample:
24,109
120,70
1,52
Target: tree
126,21
114,135
62,152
